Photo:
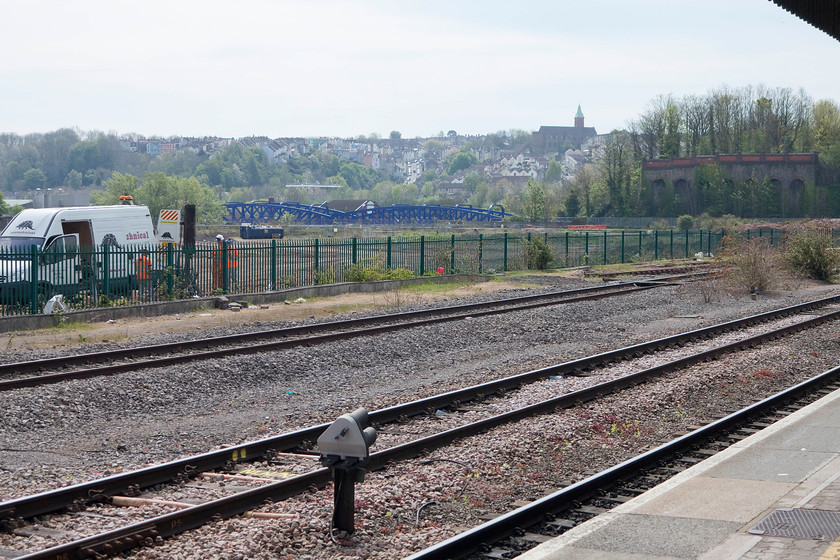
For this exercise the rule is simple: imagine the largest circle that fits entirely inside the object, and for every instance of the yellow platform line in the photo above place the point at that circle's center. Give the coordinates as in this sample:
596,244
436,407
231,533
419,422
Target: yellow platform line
832,552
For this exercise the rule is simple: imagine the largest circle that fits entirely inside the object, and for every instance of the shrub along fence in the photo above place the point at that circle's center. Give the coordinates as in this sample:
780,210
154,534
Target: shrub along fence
106,276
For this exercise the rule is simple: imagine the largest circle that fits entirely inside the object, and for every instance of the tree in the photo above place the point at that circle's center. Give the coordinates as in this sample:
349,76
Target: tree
519,136
471,182
55,151
159,191
461,161
534,202
74,180
826,125
554,173
395,135
83,156
34,179
696,118
118,185
616,171
572,203
649,130
480,195
672,139
582,185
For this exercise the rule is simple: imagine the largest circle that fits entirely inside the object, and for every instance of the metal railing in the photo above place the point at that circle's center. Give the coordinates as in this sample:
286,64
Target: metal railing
107,276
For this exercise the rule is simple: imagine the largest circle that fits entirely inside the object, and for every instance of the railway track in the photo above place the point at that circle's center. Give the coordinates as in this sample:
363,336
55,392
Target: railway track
14,513
520,530
82,366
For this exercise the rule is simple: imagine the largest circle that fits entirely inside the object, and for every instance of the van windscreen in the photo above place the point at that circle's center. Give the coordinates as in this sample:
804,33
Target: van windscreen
16,245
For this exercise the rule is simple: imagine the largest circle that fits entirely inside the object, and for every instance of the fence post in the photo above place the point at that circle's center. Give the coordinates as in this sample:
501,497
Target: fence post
170,266
452,256
388,254
605,247
355,248
504,267
317,258
481,250
422,254
33,286
622,246
586,248
567,247
771,237
701,240
274,264
672,244
106,269
686,243
640,244
656,244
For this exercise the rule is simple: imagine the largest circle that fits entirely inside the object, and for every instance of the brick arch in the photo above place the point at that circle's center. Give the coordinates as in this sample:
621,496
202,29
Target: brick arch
657,189
682,191
793,196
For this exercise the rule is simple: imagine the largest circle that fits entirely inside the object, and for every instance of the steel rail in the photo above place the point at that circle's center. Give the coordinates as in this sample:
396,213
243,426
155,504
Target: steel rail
411,319
505,525
92,491
118,540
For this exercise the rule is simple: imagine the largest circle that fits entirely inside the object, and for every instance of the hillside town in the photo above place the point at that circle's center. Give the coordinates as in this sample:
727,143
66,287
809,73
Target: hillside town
571,146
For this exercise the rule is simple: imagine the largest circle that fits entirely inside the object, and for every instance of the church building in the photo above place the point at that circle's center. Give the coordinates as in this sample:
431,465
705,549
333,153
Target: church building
557,139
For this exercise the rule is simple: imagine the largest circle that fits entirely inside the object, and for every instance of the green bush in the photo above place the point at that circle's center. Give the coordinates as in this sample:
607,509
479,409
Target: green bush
538,254
364,271
685,222
324,276
809,252
399,274
727,222
370,270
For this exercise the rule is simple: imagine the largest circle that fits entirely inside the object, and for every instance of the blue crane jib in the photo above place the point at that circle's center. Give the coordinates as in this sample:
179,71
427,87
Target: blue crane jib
265,212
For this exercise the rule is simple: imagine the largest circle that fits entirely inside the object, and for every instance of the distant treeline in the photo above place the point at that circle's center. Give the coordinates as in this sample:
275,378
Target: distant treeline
726,121
610,183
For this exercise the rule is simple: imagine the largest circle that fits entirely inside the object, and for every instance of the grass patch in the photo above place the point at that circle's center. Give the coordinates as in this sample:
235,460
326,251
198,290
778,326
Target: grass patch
64,325
433,287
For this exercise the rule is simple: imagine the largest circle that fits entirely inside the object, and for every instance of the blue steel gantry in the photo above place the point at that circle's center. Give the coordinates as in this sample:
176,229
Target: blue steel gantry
268,212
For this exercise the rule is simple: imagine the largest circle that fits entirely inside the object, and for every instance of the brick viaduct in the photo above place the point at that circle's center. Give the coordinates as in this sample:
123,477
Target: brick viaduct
787,172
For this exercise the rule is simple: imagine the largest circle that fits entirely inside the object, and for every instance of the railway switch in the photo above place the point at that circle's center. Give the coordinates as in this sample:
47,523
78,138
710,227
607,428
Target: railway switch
344,448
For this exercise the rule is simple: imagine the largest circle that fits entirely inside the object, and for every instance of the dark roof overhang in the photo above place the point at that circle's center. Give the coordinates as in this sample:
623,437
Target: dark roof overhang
822,14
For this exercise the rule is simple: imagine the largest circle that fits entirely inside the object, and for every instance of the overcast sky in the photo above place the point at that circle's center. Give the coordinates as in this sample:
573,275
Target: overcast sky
313,68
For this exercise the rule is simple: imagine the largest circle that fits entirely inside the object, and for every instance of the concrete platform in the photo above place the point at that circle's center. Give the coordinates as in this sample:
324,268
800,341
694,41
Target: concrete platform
772,496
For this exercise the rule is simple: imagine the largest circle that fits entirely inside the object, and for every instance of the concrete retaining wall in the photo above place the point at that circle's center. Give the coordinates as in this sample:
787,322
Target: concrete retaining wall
33,322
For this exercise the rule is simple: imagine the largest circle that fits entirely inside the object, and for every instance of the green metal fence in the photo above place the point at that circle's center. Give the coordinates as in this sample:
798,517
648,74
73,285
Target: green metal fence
88,278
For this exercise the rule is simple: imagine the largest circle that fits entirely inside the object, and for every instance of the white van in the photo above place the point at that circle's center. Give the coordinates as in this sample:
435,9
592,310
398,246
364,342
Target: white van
71,242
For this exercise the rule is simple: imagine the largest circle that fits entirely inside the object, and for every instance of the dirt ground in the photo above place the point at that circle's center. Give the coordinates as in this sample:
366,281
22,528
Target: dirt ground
121,330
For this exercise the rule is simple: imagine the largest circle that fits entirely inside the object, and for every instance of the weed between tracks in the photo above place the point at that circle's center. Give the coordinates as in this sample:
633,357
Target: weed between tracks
613,427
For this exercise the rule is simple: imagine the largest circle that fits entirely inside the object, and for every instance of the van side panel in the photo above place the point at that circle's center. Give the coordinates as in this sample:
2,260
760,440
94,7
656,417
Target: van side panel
119,227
